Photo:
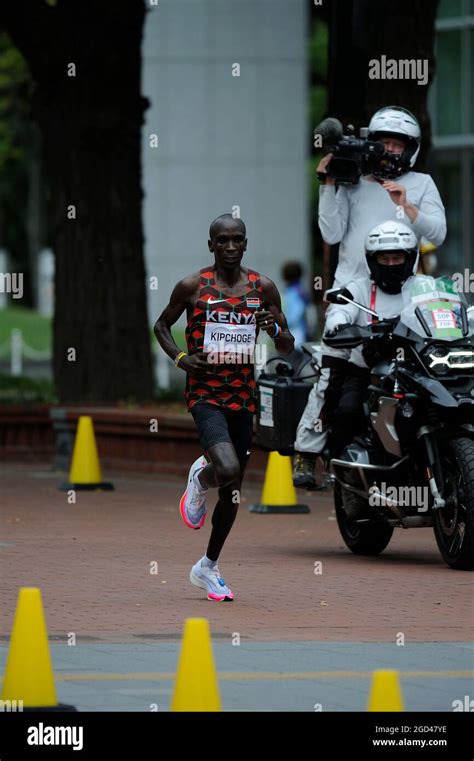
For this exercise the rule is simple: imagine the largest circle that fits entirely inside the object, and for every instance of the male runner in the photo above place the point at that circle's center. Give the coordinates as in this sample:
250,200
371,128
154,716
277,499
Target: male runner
226,306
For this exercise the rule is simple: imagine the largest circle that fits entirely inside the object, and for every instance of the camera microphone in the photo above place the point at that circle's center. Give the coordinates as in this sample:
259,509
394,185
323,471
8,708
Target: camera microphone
330,130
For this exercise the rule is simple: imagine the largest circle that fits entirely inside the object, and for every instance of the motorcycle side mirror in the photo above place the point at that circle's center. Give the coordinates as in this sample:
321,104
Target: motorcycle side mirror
338,296
344,296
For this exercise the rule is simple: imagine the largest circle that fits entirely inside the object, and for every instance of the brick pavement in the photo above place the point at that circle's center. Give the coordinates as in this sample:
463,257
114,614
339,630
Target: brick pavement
92,562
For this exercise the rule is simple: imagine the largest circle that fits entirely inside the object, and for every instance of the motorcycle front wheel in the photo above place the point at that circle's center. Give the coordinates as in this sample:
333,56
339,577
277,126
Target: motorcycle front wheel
454,524
362,539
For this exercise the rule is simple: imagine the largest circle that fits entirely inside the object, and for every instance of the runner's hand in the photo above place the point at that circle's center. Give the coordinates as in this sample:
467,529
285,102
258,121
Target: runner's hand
265,320
194,364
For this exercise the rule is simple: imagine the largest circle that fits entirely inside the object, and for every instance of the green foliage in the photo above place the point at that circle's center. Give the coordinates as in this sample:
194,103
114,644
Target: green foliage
169,394
179,337
15,112
318,57
36,329
318,47
17,132
318,98
22,389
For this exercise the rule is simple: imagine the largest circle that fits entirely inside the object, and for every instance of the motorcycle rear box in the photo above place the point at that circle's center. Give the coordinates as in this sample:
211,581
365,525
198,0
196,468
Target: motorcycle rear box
281,401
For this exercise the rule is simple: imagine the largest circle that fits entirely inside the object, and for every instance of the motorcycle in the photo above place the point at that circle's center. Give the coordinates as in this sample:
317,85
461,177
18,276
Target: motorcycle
413,464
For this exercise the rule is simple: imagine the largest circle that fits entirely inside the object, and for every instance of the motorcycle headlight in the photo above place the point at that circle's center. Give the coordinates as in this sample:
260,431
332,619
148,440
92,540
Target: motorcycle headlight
440,360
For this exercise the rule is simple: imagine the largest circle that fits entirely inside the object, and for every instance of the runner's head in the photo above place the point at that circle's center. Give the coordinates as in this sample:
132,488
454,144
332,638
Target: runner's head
227,241
391,251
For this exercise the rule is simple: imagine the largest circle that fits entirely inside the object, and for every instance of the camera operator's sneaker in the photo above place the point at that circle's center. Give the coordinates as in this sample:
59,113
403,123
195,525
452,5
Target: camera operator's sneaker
210,579
192,504
303,470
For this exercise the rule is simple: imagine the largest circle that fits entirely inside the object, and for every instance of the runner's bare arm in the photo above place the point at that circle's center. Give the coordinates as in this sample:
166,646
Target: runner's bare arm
284,342
179,301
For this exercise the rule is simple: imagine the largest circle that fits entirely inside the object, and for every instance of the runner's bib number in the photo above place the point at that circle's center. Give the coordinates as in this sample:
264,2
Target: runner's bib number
238,339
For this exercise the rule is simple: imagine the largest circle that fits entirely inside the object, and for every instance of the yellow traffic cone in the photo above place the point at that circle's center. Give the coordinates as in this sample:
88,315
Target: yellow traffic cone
85,473
385,693
29,679
196,687
279,495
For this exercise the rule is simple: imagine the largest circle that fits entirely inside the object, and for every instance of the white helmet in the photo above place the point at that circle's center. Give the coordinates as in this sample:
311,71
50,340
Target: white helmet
394,120
391,236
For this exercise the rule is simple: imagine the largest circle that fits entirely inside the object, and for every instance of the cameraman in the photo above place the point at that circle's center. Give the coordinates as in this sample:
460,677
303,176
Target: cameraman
391,192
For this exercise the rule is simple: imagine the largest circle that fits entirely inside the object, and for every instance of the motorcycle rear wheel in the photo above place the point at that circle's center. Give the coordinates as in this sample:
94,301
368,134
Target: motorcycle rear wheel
454,524
362,539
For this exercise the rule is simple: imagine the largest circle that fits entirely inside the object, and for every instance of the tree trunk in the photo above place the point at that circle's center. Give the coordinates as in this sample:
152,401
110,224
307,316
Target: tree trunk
91,125
347,65
34,209
362,30
407,32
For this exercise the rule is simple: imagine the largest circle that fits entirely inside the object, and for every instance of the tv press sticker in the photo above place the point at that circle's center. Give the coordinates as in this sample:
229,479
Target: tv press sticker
444,319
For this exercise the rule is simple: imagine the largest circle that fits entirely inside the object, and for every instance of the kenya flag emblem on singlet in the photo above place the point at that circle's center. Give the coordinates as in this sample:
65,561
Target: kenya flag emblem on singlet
253,303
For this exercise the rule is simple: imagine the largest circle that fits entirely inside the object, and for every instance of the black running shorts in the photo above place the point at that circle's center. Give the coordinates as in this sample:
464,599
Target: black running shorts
216,424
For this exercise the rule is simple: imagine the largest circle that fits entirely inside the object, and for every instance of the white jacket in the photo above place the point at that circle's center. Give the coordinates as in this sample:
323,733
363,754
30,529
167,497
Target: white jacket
347,216
386,305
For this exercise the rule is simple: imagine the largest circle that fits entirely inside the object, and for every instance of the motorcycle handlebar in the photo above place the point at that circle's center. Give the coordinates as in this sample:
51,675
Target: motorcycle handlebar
351,336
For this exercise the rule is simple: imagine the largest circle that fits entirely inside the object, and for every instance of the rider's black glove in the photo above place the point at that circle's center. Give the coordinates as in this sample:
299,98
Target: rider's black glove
337,329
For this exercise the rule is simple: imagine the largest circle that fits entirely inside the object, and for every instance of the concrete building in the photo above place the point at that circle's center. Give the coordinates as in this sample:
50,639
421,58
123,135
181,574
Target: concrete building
227,82
452,113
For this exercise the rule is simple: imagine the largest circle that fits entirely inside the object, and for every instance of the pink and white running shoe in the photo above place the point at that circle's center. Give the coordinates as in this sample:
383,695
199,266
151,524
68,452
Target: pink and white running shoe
211,580
192,505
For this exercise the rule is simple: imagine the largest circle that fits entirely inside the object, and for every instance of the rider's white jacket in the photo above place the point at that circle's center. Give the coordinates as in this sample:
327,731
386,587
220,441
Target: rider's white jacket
366,293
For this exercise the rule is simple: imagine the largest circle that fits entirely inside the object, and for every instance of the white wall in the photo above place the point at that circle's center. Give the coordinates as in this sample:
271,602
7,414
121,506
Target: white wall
224,140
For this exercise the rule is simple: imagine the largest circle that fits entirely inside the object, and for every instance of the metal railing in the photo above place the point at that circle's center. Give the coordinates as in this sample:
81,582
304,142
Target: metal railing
17,349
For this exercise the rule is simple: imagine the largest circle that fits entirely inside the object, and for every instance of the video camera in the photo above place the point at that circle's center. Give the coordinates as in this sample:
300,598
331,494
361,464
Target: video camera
352,156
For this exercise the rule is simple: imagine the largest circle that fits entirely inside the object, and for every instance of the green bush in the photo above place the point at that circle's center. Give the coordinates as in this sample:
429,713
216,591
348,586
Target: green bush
17,390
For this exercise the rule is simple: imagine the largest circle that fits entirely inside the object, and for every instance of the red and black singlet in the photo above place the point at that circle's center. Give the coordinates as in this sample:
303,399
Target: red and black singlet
227,383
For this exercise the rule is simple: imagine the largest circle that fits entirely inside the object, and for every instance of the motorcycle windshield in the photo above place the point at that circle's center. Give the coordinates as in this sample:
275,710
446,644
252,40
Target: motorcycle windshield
432,307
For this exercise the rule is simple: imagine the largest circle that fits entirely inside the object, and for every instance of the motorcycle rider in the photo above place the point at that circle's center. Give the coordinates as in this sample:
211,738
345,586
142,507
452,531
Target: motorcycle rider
344,218
392,250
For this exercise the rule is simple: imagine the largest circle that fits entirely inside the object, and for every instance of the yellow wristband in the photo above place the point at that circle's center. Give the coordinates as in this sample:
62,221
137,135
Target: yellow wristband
179,356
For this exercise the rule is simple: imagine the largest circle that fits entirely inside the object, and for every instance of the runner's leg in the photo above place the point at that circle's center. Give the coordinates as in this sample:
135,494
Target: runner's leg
229,461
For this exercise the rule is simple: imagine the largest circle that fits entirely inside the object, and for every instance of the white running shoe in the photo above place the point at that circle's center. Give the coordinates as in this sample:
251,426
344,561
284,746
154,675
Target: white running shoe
192,504
211,580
